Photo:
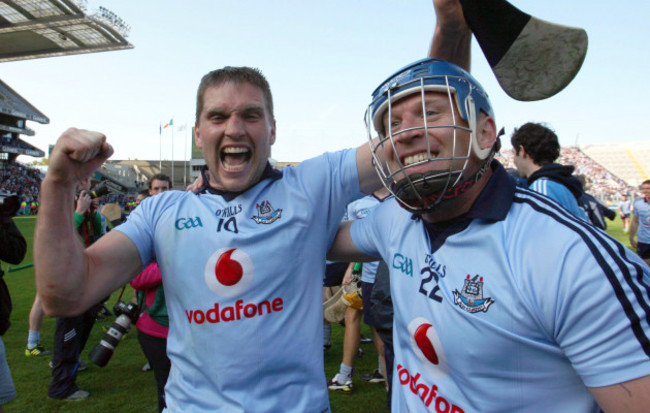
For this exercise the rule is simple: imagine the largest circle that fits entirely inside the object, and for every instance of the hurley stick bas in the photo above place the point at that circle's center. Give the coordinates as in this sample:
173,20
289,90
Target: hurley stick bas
532,59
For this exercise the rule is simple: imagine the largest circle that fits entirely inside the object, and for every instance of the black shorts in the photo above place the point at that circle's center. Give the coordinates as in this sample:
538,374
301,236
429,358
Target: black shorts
334,273
643,250
366,291
624,216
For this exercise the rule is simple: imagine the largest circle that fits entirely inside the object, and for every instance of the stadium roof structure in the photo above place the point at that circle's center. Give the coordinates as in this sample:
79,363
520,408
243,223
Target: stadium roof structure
31,29
14,112
12,104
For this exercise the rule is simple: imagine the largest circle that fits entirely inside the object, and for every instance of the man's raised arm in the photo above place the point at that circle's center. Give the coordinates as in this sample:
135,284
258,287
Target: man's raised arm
452,38
69,278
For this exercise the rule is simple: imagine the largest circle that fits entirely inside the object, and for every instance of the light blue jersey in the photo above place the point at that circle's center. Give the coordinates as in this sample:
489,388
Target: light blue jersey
243,286
625,207
360,209
518,306
642,210
560,194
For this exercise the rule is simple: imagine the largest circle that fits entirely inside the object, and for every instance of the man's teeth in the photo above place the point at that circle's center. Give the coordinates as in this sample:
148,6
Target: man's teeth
235,158
234,168
416,158
235,150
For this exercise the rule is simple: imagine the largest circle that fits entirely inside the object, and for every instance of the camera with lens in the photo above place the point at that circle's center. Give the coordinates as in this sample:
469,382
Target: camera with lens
100,190
127,314
9,205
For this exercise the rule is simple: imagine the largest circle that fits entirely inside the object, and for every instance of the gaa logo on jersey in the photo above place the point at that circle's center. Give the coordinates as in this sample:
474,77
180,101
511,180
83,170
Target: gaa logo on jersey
228,272
426,345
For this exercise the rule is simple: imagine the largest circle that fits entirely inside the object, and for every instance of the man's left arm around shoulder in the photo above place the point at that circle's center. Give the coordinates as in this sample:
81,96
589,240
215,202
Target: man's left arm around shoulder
632,396
344,249
369,181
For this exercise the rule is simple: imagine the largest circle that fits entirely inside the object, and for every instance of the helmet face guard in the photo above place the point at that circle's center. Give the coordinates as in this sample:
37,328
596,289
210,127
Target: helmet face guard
421,192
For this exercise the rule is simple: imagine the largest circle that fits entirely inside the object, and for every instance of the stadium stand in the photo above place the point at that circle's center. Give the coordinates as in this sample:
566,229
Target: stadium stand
43,28
14,112
32,29
137,173
16,178
629,161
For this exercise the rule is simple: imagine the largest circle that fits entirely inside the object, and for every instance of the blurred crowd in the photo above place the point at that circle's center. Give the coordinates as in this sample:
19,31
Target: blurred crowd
25,182
20,180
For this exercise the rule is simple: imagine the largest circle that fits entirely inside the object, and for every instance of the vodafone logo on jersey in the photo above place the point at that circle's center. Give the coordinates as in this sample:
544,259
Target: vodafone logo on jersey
426,345
229,272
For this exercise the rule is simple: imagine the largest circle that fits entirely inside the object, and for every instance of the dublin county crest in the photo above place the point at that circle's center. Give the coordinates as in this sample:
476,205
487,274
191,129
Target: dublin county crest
266,213
471,298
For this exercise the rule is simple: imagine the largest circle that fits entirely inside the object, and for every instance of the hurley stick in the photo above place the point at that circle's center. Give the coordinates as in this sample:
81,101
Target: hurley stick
532,59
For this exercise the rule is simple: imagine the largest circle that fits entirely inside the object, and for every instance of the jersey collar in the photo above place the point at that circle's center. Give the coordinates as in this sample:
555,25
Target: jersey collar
492,205
269,173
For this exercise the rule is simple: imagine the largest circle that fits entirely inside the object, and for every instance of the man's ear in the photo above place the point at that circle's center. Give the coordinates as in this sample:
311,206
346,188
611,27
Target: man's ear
522,152
197,137
487,132
272,140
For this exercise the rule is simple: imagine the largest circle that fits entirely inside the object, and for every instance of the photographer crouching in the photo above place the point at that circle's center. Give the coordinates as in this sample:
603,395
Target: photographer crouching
71,334
12,250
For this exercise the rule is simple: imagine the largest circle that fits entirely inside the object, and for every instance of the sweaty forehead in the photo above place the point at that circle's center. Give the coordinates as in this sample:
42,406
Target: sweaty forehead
430,98
413,102
231,96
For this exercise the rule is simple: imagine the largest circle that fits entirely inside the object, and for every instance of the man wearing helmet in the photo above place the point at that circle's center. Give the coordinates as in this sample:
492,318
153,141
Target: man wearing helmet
461,153
504,301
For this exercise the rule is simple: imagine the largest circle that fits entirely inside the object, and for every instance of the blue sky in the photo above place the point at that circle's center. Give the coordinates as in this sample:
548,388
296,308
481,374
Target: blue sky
323,60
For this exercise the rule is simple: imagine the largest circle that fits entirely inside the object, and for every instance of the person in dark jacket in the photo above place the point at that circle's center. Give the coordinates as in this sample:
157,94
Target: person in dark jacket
536,149
12,250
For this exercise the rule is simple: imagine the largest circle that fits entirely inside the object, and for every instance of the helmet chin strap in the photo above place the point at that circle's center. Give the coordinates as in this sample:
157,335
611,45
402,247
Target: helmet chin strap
421,193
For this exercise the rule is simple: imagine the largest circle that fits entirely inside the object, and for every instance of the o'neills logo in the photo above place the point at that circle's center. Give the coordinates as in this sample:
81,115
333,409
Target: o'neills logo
427,393
239,311
228,272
